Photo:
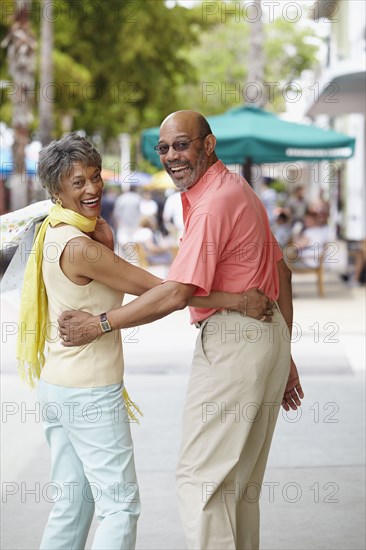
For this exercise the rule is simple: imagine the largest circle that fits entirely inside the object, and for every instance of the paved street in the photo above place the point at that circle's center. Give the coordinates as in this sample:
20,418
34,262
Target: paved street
313,494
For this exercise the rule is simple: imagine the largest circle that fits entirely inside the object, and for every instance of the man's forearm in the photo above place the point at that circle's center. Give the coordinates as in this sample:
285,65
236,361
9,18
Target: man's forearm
285,297
293,391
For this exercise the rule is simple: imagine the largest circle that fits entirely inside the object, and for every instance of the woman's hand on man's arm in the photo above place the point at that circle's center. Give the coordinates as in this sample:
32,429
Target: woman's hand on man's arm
252,303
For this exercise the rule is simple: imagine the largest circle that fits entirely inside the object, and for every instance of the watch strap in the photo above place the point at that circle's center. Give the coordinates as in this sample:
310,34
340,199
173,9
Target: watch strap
104,323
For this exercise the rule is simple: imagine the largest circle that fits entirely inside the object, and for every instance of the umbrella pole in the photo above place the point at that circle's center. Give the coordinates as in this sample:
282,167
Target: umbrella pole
247,170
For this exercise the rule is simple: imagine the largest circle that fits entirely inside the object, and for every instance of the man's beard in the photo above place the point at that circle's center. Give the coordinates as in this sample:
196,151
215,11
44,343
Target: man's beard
196,173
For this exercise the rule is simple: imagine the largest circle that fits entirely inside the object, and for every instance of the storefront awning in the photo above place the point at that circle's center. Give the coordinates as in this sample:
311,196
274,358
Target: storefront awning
340,93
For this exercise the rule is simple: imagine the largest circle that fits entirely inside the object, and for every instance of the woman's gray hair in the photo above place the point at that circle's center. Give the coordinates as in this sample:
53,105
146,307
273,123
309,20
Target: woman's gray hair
56,160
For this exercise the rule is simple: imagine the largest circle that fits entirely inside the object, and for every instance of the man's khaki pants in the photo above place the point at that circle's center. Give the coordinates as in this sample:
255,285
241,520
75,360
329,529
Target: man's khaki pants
239,373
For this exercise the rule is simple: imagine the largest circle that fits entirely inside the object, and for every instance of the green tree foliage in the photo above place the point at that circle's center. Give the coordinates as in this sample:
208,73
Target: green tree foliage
131,50
122,65
118,63
221,59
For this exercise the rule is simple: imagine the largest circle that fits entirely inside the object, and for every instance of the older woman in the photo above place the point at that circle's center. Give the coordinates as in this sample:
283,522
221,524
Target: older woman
81,388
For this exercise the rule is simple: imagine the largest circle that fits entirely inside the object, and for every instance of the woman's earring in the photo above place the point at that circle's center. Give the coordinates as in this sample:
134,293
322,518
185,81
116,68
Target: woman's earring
59,201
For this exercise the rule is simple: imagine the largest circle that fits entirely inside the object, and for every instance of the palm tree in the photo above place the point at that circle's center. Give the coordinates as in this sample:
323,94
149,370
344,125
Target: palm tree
46,74
254,89
21,46
255,92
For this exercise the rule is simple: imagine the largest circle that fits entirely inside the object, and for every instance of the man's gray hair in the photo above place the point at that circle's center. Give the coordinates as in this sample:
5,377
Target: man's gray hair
56,160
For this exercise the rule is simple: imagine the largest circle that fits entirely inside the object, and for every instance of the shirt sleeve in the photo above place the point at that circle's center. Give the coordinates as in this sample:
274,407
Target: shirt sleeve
199,253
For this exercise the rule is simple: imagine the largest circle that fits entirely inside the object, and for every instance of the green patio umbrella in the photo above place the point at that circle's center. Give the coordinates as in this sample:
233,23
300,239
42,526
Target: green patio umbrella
249,134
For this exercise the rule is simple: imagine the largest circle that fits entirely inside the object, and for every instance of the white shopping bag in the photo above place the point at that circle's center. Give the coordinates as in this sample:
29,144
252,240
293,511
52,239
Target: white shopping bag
14,225
17,231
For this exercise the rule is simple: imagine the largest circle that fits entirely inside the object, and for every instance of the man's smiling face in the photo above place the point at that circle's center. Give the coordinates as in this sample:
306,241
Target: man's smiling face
188,166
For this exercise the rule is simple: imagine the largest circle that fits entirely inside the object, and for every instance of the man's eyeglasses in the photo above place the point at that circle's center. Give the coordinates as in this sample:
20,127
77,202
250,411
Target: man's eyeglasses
181,145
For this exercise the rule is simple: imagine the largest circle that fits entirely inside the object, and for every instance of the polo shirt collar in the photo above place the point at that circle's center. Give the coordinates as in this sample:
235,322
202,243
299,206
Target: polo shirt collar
194,194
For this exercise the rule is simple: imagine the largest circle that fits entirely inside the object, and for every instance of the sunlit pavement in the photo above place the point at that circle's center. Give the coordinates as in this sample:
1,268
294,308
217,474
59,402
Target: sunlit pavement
313,493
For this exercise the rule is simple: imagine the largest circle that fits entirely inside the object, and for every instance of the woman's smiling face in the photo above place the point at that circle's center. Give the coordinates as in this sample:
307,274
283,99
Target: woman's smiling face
81,191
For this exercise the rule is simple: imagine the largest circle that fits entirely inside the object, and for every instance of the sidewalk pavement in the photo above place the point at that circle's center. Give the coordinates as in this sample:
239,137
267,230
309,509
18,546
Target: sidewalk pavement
313,494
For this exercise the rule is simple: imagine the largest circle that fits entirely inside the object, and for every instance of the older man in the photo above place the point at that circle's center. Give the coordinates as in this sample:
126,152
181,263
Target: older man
241,370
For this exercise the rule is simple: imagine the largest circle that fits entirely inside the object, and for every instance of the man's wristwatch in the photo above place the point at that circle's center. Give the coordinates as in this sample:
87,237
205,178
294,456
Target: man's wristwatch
104,323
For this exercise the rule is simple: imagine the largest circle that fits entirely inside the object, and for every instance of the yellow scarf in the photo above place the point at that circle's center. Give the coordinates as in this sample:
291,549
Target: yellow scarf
34,304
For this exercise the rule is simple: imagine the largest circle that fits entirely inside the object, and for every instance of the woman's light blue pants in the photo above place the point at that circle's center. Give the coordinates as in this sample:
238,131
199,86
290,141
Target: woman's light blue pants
93,467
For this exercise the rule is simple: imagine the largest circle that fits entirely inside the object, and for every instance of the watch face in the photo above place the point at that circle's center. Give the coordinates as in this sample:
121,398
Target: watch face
106,327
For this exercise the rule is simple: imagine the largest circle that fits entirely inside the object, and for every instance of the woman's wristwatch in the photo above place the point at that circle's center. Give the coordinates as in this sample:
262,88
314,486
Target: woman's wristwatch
104,323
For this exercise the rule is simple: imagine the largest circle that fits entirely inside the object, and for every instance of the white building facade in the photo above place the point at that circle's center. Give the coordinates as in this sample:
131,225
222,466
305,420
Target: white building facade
339,100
